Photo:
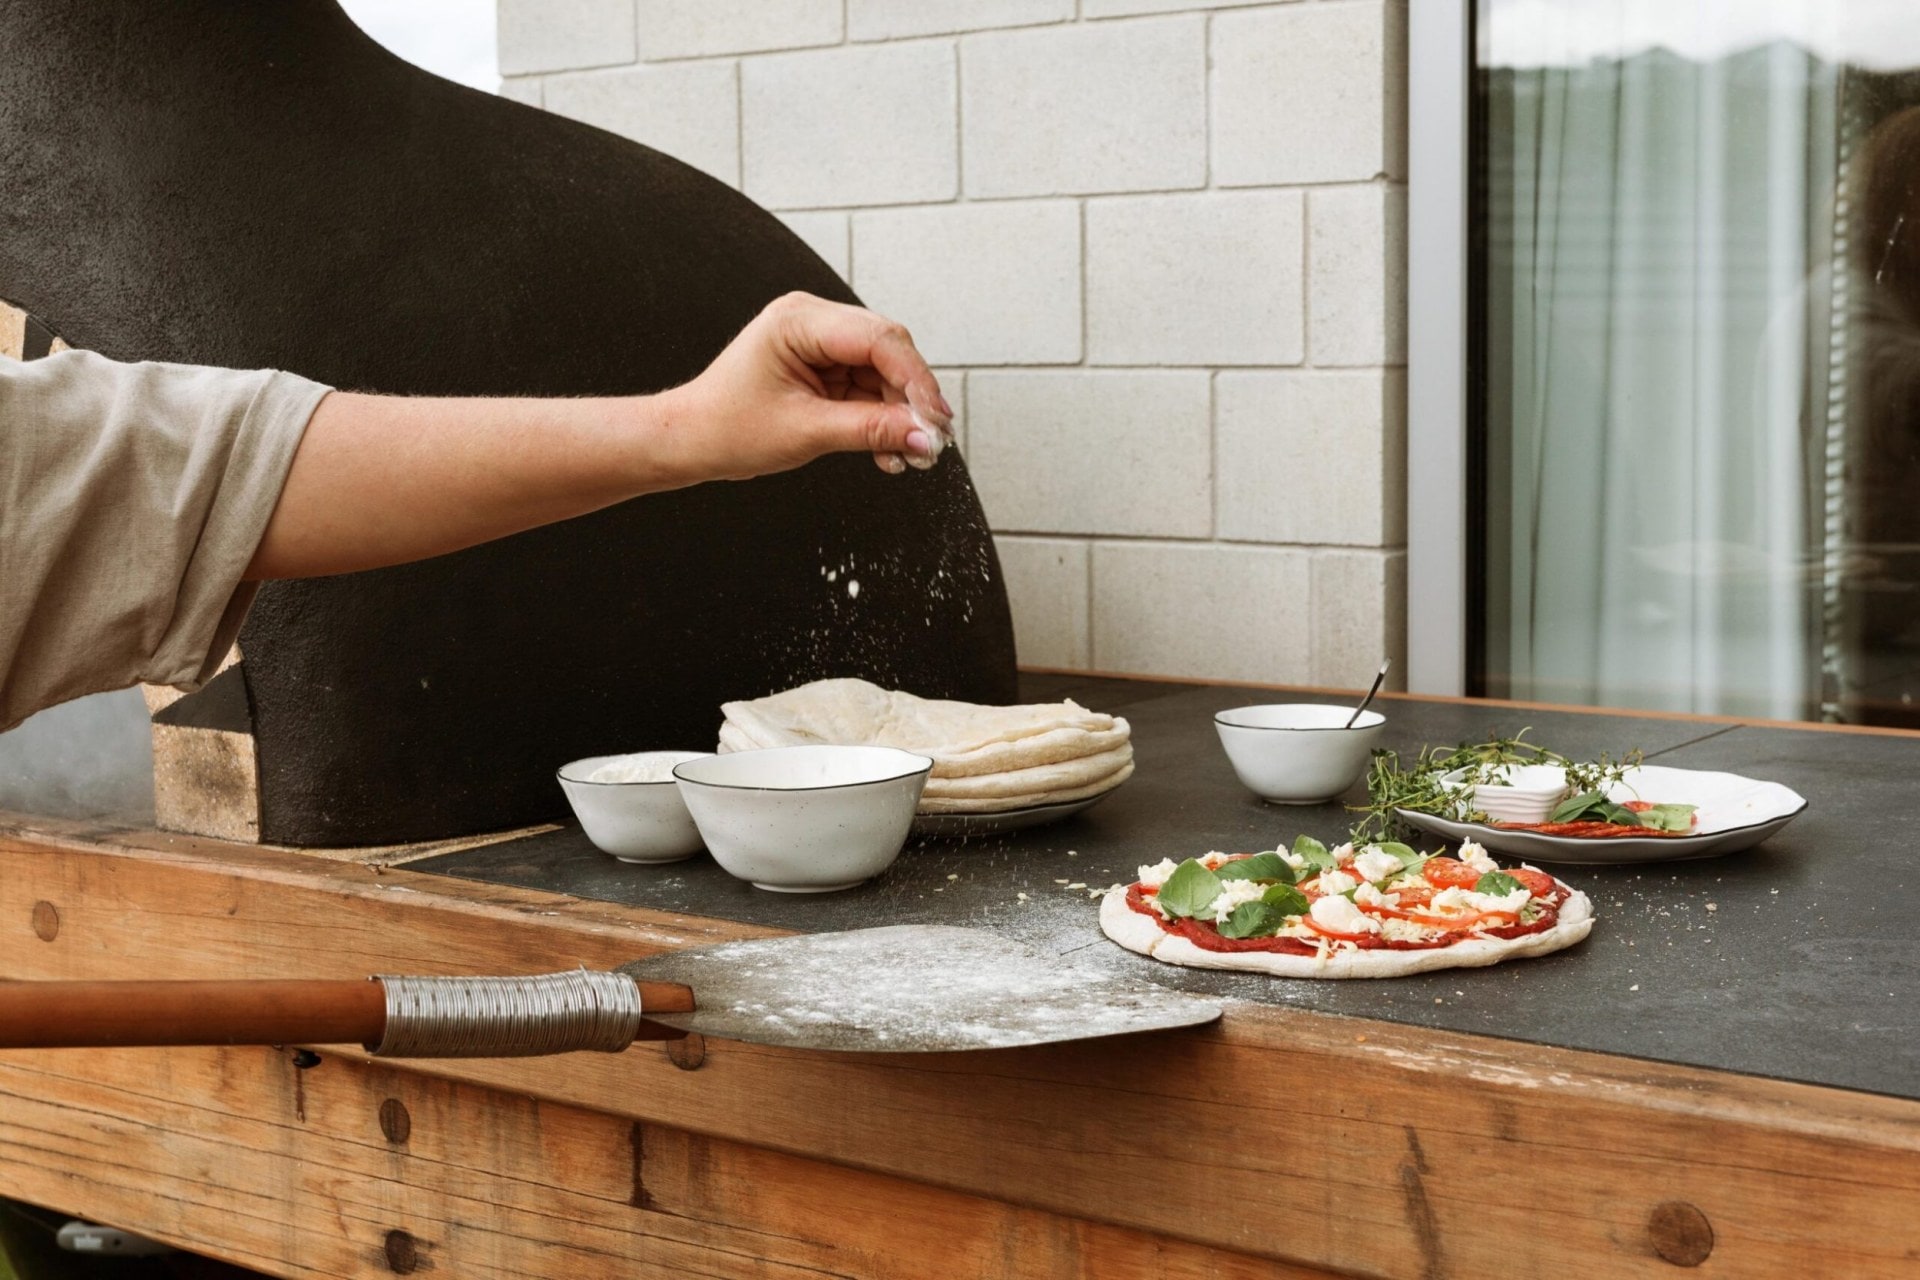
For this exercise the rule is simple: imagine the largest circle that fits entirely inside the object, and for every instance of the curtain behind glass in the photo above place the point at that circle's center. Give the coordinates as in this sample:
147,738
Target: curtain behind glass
1656,240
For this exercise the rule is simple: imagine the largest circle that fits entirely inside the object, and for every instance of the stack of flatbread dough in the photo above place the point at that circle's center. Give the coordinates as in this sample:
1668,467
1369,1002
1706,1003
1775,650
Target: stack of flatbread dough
985,759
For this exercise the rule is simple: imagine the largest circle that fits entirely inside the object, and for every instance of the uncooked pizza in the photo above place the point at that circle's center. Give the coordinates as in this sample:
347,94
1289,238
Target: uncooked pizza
1381,911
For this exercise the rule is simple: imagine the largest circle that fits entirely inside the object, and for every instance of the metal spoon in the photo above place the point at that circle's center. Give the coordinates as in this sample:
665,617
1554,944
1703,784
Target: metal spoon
1377,679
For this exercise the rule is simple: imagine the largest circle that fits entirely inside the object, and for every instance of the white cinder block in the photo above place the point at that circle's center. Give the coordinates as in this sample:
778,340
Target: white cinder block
892,19
1359,617
861,126
1309,93
995,283
697,28
561,35
688,110
1077,451
1312,457
1357,275
1047,587
1208,279
827,234
1125,8
1184,609
522,89
1103,107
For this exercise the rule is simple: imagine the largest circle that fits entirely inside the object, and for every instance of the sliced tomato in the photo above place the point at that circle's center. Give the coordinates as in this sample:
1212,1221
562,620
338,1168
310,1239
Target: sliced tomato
1432,921
1539,883
1449,873
1336,934
1636,806
1415,896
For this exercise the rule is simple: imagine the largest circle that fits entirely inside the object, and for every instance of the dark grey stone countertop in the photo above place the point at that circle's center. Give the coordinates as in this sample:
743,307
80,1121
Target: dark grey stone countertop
1806,967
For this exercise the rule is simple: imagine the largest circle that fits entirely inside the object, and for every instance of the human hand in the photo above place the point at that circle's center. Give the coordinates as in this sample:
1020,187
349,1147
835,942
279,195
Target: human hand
805,378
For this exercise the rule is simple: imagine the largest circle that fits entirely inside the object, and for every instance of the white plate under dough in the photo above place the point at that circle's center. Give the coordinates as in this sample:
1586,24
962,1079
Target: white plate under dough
1136,932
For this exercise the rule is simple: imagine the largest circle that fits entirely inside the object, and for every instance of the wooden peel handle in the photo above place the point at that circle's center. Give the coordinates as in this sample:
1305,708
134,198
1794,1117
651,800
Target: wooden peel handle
63,1015
59,1015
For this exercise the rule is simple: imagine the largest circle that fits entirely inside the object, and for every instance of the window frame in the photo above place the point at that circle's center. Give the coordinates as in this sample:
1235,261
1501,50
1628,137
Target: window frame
1440,337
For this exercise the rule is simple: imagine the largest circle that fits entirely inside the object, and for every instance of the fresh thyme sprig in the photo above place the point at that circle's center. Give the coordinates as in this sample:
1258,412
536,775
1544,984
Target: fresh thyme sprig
1391,787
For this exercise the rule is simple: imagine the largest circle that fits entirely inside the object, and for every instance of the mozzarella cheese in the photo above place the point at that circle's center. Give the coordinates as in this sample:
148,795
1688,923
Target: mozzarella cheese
1342,853
1232,894
1476,857
1468,900
1293,860
1156,875
1337,882
1342,916
1404,931
1374,864
1370,895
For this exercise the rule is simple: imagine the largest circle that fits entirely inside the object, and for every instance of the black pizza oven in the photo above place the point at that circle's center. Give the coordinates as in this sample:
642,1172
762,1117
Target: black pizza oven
263,185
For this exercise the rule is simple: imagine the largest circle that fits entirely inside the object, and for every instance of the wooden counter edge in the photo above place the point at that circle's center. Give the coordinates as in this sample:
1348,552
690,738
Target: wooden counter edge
1413,1138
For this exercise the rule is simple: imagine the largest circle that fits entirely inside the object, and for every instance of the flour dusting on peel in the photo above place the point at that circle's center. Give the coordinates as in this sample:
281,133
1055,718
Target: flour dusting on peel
914,987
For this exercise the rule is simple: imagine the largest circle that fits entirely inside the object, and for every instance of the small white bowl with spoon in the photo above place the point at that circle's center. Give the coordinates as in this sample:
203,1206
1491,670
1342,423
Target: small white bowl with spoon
1301,752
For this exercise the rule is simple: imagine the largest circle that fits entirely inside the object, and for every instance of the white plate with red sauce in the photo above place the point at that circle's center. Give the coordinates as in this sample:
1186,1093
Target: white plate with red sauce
1731,813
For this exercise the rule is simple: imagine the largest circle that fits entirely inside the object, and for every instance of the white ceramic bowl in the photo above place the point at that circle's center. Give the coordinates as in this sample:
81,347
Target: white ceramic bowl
805,819
633,821
1529,793
1298,753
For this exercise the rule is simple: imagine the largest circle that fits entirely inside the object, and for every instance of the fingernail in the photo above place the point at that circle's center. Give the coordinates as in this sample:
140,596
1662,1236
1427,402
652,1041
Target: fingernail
936,431
929,419
894,464
944,406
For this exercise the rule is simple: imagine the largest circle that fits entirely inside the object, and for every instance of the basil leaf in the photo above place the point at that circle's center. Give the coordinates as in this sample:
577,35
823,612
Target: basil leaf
1313,853
1411,859
1286,900
1406,853
1261,866
1496,884
1190,890
1592,806
1250,920
1608,811
1572,808
1668,817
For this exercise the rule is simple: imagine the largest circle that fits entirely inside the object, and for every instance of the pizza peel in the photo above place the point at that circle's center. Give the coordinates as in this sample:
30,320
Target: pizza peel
898,989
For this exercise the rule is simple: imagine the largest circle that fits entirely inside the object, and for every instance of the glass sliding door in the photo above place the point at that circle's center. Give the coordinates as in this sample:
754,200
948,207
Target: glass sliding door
1696,286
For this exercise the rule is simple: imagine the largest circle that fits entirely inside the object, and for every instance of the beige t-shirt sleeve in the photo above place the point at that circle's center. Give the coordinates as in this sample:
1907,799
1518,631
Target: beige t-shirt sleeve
132,498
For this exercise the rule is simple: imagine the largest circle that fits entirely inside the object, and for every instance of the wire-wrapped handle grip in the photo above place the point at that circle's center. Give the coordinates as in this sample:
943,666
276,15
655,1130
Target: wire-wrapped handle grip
508,1017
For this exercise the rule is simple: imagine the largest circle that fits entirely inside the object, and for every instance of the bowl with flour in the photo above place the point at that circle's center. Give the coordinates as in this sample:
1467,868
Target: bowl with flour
630,806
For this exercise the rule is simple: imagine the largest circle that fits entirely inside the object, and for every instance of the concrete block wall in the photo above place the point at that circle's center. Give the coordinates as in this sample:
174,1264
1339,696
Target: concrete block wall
1156,249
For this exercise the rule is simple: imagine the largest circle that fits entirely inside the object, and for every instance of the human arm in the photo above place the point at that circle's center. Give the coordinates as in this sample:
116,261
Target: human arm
140,502
381,480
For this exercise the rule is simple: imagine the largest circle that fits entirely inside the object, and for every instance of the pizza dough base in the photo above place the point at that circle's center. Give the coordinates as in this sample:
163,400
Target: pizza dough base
1001,804
964,739
1136,932
1045,779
